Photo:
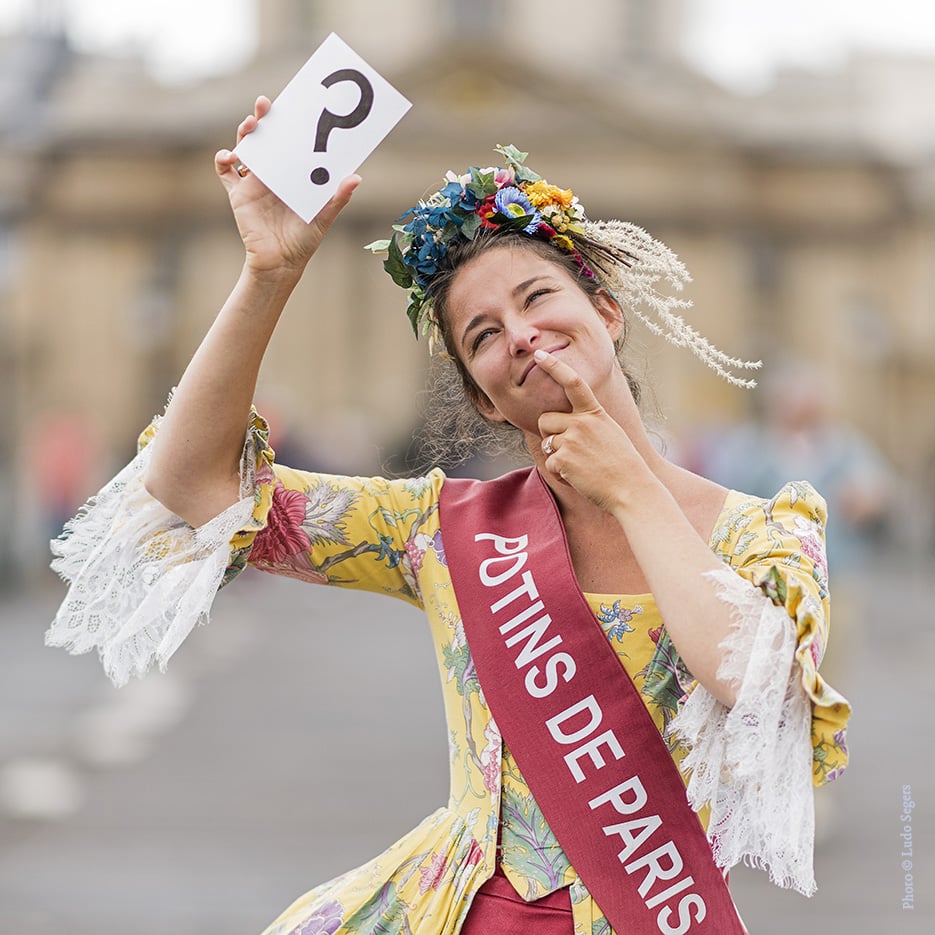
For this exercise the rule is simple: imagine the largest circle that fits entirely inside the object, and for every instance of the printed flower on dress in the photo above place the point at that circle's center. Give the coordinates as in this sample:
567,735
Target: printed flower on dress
474,855
417,486
840,738
326,508
283,535
439,548
665,677
490,758
431,876
326,920
459,664
620,617
813,546
829,756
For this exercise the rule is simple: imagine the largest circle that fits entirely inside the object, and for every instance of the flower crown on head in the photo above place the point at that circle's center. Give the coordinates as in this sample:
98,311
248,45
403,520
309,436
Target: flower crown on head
510,198
629,262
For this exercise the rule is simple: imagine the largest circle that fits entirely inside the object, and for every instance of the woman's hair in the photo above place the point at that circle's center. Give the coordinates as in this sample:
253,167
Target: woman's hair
453,428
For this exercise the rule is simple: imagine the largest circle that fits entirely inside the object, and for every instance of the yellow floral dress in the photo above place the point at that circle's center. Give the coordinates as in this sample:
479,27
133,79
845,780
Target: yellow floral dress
383,535
141,579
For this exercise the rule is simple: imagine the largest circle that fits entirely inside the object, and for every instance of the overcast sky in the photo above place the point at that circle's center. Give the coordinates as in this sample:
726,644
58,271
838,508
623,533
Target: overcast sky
739,42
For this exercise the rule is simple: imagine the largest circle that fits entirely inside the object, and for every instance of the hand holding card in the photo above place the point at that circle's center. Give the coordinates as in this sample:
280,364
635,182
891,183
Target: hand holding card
323,125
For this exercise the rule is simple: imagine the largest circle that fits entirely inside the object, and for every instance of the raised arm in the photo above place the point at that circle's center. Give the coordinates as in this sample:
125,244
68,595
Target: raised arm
194,470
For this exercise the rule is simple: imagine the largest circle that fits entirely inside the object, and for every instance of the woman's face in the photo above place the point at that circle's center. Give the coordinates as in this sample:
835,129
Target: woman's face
509,302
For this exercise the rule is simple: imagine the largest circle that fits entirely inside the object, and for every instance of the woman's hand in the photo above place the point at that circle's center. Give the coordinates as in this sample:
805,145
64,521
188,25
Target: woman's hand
586,447
276,239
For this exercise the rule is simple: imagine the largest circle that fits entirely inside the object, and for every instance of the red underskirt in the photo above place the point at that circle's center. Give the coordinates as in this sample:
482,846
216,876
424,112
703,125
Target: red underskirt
498,909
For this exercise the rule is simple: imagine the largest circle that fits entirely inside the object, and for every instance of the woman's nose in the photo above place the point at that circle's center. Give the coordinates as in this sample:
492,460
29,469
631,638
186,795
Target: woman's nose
523,337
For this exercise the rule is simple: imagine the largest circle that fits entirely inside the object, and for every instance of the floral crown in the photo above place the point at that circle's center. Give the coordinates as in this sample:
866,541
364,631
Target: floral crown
511,198
629,262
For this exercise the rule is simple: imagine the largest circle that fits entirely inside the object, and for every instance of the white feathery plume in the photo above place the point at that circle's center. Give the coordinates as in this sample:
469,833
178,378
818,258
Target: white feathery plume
633,280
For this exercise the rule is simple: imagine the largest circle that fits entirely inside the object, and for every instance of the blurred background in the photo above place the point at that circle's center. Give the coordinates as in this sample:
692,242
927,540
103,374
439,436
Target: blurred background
785,152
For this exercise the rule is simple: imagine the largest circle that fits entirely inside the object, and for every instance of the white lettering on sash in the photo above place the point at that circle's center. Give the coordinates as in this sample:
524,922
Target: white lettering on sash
551,675
522,617
587,705
673,890
644,827
578,724
615,797
685,922
592,749
653,864
531,650
528,587
509,549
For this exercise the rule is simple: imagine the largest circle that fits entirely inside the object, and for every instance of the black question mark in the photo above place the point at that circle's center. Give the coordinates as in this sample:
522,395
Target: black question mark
328,121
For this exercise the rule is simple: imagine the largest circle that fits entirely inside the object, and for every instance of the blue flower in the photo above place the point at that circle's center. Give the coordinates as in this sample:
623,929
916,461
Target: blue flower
418,226
512,203
427,256
459,197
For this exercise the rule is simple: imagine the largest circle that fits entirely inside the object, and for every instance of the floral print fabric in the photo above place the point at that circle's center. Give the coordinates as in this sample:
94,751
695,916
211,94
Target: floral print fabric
384,536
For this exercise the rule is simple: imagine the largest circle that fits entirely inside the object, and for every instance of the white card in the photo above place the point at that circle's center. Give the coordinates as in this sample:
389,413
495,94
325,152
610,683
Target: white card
324,124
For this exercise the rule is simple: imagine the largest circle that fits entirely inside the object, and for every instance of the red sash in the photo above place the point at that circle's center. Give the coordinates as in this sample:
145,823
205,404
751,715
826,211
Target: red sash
574,721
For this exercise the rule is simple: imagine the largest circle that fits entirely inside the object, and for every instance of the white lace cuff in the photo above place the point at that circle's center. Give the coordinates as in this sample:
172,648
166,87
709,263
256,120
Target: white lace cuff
140,577
752,762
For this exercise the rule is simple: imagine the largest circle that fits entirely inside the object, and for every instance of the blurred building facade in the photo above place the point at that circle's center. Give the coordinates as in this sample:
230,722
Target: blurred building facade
806,215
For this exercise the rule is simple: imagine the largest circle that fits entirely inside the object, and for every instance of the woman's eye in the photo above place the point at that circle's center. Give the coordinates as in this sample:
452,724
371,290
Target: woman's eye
480,337
535,294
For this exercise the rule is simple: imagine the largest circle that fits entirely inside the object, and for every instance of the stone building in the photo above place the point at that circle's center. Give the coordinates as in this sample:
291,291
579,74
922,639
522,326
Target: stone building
806,215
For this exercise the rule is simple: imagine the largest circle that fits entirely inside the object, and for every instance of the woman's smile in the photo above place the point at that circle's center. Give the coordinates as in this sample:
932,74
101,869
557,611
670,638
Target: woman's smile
532,365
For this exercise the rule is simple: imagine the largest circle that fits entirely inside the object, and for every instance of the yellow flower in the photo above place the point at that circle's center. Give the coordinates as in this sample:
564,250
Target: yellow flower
563,243
541,194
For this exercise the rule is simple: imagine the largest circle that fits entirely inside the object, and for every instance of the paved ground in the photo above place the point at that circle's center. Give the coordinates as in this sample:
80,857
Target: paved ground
204,800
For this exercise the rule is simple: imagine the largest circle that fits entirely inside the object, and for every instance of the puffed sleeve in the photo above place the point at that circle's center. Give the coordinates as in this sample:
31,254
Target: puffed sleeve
140,578
756,763
367,533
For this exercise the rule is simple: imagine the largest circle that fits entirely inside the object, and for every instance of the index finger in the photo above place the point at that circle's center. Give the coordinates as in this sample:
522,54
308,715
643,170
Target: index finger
578,392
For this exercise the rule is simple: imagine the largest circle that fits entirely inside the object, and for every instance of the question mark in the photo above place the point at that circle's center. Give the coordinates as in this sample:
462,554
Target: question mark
328,121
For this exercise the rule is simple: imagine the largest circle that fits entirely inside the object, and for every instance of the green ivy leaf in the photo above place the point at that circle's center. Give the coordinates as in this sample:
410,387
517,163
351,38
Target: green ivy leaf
482,184
378,246
396,266
516,158
512,155
470,226
414,311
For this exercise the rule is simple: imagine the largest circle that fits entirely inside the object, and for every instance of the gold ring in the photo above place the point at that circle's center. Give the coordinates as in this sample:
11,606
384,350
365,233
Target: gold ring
547,445
242,171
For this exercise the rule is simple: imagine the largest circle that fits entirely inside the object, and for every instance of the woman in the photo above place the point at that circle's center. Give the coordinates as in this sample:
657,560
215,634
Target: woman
507,272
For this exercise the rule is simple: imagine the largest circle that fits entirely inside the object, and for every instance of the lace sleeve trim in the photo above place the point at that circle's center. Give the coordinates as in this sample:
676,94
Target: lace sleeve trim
140,578
752,762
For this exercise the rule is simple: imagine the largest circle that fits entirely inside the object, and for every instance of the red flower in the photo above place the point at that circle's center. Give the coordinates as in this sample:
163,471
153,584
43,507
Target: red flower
283,535
486,210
